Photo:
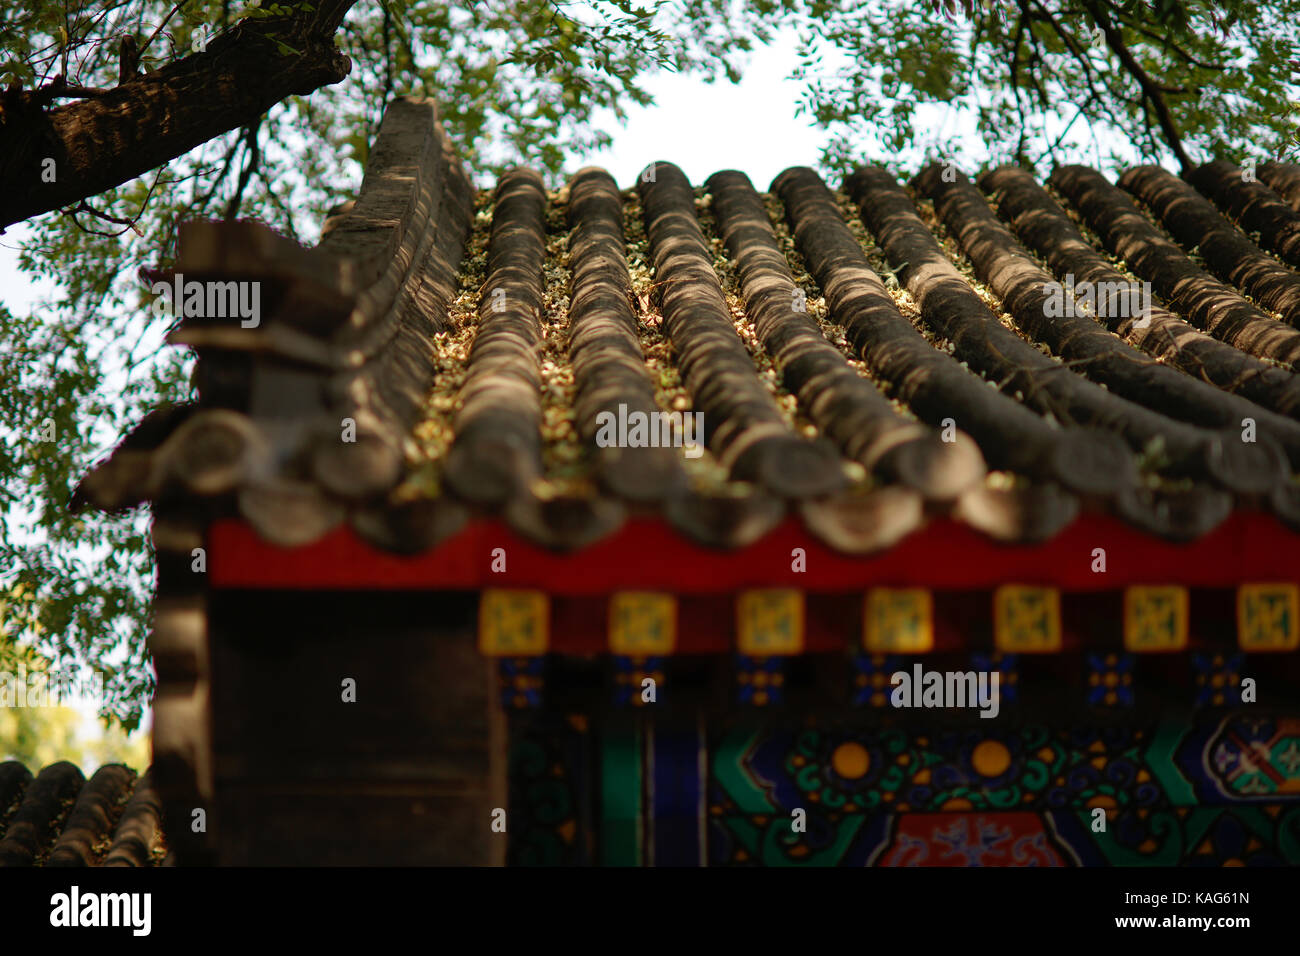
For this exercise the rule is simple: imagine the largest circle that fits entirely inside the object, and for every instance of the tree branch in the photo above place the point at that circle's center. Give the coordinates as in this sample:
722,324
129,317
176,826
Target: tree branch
254,158
1168,42
140,125
1151,90
1021,23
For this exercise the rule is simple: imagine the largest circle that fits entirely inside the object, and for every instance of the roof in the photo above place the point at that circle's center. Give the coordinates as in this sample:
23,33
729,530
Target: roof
59,818
867,360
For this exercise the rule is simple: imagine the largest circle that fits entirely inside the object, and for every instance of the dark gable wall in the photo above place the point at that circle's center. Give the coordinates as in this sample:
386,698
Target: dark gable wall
408,774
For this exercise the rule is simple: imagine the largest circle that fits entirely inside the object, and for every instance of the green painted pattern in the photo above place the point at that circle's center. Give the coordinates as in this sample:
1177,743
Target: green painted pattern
1160,758
779,840
620,791
728,767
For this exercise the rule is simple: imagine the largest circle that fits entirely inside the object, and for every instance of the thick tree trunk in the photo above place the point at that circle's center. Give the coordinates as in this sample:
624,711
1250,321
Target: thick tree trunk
107,140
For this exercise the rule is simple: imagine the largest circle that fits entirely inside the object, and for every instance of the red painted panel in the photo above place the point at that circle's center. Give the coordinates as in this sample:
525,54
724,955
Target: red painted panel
970,839
648,554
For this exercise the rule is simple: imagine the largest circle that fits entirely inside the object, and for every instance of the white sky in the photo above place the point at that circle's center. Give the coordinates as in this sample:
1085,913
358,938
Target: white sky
18,292
704,128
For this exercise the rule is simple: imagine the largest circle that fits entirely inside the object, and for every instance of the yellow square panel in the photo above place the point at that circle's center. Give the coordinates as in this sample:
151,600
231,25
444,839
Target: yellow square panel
1155,619
642,623
770,623
898,621
513,623
1267,617
1026,620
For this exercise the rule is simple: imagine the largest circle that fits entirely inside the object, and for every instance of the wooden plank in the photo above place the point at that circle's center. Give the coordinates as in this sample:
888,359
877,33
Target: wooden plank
299,776
621,797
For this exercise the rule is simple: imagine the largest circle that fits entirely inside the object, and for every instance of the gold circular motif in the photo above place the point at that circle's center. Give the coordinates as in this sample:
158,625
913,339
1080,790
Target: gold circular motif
851,760
991,758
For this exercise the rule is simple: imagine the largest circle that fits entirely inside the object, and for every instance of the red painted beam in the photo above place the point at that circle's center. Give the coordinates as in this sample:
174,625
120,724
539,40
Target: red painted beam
647,554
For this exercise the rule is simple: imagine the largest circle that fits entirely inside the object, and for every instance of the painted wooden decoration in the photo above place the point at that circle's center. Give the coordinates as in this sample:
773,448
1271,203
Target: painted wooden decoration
630,676
770,622
870,674
1217,678
1027,620
520,681
513,623
642,624
898,621
760,681
1267,618
1110,680
1155,619
1221,790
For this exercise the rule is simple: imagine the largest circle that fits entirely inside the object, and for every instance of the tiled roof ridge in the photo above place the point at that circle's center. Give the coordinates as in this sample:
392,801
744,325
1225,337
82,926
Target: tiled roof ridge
58,818
1011,436
497,448
845,406
307,421
1195,414
747,432
1040,223
327,388
1194,222
1099,464
1210,304
1252,205
609,367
